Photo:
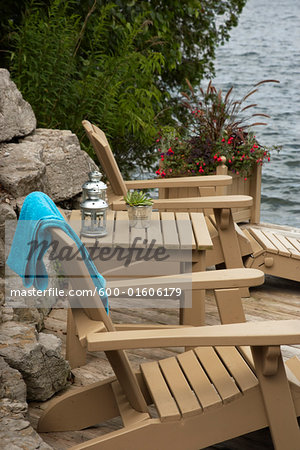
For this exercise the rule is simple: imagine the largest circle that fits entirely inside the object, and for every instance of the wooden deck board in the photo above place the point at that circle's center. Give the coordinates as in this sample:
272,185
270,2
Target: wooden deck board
277,299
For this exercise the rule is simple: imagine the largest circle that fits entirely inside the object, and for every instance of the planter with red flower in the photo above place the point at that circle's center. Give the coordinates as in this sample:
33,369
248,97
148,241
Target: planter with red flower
211,132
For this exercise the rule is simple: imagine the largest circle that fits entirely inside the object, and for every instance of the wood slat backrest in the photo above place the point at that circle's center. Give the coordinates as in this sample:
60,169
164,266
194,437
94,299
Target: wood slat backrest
80,278
106,158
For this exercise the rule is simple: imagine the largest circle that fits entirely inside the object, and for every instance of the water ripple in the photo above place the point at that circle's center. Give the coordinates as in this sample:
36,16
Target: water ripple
260,49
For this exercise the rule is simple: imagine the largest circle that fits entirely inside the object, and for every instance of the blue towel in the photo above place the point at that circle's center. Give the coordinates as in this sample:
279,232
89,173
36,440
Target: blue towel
38,215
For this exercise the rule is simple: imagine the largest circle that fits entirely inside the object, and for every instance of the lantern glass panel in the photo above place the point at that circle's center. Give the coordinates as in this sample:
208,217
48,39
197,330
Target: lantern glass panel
93,215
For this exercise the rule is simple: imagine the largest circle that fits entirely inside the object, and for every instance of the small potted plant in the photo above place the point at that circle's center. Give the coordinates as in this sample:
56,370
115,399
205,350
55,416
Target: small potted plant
139,206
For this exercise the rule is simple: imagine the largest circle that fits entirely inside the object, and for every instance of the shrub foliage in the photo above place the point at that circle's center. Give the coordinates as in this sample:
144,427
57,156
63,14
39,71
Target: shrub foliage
115,64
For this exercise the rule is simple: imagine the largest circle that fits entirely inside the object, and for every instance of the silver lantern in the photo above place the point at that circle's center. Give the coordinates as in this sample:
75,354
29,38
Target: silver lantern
95,183
93,214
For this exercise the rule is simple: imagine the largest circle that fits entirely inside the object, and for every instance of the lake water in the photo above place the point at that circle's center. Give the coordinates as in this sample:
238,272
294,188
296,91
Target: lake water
266,45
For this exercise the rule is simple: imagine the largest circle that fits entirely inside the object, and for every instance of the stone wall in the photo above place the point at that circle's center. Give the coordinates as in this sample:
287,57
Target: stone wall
33,159
44,160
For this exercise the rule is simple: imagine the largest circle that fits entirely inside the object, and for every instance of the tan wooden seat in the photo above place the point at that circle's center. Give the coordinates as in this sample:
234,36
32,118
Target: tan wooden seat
196,380
215,391
229,245
275,251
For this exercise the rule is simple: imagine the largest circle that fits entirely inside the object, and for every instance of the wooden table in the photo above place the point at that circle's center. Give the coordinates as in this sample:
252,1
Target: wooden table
184,235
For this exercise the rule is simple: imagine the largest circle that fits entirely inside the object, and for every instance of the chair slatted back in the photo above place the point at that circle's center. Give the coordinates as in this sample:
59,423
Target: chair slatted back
80,279
106,158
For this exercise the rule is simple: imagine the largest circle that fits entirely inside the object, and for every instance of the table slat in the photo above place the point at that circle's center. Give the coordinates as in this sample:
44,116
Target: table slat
121,234
185,231
201,232
154,231
169,230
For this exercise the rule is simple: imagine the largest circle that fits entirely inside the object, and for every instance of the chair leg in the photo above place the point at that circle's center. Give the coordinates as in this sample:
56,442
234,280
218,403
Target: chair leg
278,403
80,408
75,353
229,242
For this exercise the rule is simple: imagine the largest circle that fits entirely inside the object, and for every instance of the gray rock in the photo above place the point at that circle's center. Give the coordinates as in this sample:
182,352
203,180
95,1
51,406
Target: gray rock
22,171
12,385
34,316
7,214
1,298
7,314
15,431
48,160
67,166
19,202
30,308
38,358
2,253
16,115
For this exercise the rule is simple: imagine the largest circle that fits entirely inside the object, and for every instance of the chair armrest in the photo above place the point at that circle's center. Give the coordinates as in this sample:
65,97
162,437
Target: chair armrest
198,181
265,333
215,202
213,279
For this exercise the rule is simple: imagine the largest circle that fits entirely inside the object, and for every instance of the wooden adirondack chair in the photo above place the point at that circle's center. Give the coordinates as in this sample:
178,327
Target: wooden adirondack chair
229,243
210,393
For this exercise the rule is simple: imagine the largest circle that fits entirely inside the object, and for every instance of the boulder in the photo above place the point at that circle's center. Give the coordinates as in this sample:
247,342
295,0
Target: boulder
30,308
12,385
2,254
67,166
48,160
7,214
37,356
15,431
34,316
1,298
16,115
21,168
